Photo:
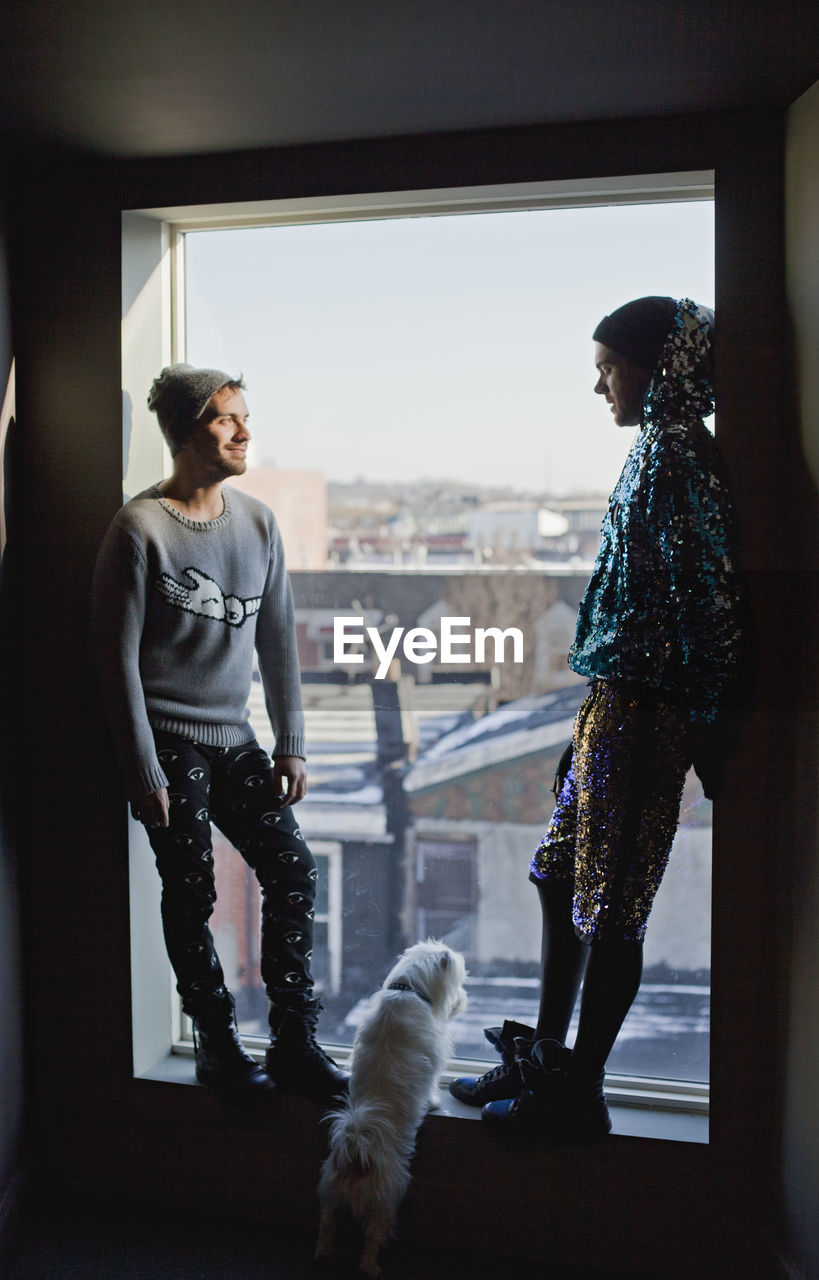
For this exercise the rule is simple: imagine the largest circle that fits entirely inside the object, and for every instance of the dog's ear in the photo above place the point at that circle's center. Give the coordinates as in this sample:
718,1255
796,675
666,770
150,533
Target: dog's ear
445,960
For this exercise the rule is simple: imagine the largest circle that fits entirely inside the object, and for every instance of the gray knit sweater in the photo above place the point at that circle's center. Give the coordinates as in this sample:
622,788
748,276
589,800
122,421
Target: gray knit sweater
178,607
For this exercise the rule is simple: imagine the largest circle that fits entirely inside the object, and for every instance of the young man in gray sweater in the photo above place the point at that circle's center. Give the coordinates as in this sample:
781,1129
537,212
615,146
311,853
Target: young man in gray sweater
190,580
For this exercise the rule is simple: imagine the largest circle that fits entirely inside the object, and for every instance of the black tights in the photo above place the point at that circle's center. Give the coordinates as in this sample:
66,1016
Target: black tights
610,973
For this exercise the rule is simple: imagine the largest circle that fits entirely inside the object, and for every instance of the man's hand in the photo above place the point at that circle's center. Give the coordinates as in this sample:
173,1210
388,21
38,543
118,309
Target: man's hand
153,810
293,771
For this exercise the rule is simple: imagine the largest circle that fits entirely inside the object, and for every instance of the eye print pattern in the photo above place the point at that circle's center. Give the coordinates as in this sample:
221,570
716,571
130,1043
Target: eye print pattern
232,788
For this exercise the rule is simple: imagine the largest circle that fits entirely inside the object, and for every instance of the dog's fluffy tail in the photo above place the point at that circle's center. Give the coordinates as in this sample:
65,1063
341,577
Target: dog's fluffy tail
363,1138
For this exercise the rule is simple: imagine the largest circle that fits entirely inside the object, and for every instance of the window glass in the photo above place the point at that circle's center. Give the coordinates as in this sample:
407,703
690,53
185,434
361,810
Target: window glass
425,430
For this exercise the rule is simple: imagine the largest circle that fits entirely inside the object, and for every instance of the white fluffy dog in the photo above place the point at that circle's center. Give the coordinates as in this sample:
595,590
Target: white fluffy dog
399,1052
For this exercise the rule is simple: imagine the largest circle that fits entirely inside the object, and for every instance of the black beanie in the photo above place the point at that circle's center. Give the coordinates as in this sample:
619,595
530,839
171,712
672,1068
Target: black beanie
639,329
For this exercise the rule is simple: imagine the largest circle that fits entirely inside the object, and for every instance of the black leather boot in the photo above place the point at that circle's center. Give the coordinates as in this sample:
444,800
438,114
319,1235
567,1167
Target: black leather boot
221,1061
502,1081
554,1107
296,1062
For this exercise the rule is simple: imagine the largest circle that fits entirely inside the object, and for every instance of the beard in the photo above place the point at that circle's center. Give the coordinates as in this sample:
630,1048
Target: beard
234,465
222,464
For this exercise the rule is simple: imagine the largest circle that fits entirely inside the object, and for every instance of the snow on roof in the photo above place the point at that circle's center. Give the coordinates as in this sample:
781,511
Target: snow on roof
520,728
353,784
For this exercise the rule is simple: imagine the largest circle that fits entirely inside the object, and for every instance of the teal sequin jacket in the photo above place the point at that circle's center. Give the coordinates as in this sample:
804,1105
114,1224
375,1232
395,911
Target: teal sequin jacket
662,607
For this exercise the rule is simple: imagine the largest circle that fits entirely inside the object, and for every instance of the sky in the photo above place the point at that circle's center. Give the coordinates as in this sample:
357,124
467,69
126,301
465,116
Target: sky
453,347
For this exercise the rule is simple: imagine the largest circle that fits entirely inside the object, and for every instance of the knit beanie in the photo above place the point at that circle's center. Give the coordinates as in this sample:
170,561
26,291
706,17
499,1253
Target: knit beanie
639,329
179,397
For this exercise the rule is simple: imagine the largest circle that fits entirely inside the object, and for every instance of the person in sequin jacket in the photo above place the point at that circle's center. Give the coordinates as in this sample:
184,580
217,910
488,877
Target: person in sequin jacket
659,636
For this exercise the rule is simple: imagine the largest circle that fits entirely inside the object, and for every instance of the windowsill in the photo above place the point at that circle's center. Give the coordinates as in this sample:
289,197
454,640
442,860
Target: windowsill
627,1122
663,1124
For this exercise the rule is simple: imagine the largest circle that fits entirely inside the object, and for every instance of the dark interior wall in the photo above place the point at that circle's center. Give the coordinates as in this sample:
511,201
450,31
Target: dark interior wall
65,291
799,903
11,1050
639,1200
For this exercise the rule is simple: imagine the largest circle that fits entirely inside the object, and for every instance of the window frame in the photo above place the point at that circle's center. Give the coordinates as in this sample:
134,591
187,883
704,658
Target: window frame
332,850
162,297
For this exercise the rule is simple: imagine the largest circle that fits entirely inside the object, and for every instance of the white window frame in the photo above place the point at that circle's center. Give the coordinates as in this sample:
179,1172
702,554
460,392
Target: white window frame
332,851
153,335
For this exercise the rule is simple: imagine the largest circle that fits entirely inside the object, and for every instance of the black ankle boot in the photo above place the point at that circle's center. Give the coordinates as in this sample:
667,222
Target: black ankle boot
297,1063
502,1081
554,1107
221,1061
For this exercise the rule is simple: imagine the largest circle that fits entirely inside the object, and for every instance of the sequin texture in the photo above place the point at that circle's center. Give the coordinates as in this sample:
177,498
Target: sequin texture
614,821
659,634
662,605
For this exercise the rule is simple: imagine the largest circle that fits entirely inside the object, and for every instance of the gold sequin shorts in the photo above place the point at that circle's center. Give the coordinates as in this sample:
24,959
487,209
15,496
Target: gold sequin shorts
617,812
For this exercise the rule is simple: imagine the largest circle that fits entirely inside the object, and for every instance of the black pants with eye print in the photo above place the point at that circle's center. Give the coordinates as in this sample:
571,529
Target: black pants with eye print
233,788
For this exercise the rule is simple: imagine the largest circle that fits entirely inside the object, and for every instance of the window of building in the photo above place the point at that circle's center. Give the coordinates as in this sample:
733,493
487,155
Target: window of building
446,892
420,382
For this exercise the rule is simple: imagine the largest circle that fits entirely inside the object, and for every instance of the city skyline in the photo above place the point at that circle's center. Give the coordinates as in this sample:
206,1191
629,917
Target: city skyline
455,348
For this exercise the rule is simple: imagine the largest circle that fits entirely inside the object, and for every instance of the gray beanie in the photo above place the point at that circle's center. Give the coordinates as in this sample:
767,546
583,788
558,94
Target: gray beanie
179,397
